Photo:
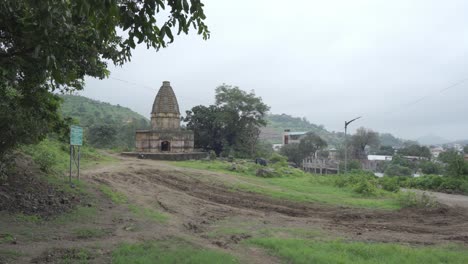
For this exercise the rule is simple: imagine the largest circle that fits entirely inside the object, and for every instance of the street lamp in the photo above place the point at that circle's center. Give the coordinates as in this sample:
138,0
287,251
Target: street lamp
346,123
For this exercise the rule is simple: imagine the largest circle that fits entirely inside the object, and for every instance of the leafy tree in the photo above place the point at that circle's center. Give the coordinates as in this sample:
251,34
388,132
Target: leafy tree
307,146
397,170
292,152
361,139
102,135
311,143
415,150
208,126
428,167
50,46
232,124
465,149
455,164
386,150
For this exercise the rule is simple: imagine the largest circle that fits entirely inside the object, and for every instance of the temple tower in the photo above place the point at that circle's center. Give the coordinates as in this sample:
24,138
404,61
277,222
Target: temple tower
165,113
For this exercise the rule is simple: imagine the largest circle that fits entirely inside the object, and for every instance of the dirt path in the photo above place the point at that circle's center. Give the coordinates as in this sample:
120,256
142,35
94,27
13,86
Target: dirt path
199,199
450,200
199,204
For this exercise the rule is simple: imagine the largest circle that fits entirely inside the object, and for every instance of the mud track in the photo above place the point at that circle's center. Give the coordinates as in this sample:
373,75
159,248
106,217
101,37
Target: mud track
201,198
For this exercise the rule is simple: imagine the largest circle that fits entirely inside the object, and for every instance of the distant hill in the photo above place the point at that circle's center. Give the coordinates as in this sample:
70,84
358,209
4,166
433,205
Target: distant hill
278,123
431,140
105,125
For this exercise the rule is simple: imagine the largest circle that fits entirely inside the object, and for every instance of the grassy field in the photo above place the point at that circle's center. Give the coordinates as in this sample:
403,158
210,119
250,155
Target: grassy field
308,251
168,251
293,184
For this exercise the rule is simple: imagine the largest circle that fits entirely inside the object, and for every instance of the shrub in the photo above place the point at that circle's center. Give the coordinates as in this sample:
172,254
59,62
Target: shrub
415,200
212,155
390,184
366,187
278,159
397,170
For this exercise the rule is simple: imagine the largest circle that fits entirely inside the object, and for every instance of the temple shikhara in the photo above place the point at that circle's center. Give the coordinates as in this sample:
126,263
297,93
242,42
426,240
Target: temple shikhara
165,135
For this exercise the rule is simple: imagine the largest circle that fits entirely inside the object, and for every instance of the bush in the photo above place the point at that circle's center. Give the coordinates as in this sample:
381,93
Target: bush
279,160
414,200
212,155
390,184
428,167
366,187
363,183
397,170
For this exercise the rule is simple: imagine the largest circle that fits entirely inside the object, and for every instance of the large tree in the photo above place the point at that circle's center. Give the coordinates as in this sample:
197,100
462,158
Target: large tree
232,123
49,46
361,139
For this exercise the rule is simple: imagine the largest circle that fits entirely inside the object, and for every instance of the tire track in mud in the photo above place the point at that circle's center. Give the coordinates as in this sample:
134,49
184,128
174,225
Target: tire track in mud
416,226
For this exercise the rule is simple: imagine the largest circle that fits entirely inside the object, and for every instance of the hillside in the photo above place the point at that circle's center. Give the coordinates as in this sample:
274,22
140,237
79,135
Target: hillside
278,123
105,125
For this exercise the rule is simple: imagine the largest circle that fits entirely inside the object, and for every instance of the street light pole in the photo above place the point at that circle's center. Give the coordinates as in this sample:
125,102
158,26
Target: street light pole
346,123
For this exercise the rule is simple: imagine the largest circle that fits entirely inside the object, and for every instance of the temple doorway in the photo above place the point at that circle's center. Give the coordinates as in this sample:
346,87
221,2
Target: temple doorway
165,146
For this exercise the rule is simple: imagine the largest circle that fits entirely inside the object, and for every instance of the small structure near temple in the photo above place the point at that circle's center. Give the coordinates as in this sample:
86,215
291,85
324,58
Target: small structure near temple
166,139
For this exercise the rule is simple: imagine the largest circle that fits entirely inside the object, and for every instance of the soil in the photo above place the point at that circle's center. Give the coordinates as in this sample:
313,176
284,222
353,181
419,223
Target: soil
26,191
198,202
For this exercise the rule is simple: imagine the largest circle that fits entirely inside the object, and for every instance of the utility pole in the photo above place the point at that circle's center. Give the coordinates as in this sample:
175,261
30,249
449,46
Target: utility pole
346,123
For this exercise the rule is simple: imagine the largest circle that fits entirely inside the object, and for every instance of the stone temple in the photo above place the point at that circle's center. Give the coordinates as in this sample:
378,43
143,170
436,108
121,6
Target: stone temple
166,139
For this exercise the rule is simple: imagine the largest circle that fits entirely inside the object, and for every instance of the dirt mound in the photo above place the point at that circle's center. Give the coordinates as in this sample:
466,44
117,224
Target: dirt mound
27,191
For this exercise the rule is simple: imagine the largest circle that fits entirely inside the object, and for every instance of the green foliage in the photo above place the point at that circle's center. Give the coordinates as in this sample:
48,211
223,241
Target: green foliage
168,251
292,152
385,150
212,155
54,156
231,125
415,150
310,143
6,238
397,170
428,167
309,251
362,138
416,200
359,181
106,125
50,46
278,159
390,184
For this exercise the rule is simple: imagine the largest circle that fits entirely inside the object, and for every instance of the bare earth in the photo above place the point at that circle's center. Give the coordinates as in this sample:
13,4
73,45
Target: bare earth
198,203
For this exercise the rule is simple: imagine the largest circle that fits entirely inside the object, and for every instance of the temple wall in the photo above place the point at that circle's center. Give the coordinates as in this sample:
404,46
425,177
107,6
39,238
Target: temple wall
149,141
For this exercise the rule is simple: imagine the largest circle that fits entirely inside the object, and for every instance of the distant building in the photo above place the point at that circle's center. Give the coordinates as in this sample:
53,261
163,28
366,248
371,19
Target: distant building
435,151
292,137
277,147
379,157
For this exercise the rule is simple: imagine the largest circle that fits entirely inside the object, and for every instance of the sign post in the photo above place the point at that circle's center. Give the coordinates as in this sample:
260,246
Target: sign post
76,140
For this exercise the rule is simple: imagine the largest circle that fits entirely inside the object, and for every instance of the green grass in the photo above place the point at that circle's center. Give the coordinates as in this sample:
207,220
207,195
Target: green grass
6,238
85,233
296,185
149,213
79,214
53,156
169,251
115,196
307,251
27,218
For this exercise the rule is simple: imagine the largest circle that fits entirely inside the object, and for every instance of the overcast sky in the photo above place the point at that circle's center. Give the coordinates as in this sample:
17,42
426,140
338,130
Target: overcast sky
328,61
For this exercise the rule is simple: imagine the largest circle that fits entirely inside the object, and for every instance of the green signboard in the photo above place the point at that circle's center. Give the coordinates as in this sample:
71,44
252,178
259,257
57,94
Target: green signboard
76,135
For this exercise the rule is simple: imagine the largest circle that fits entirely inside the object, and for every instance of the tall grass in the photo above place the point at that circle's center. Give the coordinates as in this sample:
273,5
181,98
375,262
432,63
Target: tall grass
307,251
